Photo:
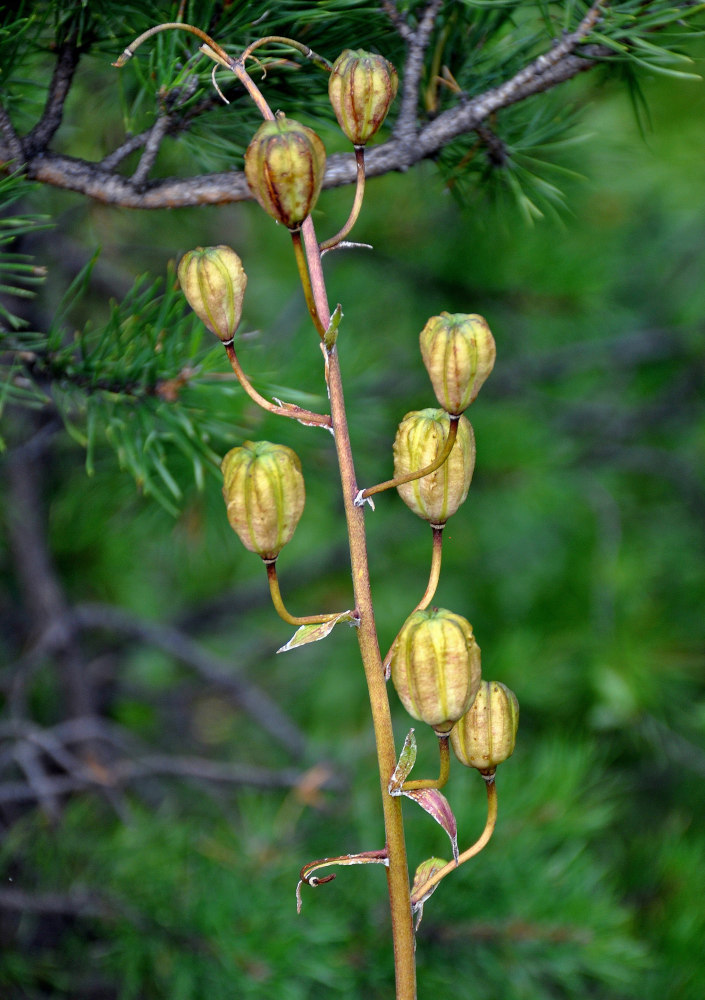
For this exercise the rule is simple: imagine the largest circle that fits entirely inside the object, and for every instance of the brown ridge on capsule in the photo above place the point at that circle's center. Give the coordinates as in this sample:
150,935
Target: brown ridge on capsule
435,667
361,88
264,494
486,735
214,282
419,440
284,167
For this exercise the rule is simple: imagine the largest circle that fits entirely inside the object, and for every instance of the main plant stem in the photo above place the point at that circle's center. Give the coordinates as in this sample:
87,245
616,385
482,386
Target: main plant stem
317,300
397,871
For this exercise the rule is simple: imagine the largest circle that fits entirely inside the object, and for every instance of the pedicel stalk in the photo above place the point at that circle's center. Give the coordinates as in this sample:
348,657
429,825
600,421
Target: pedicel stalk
434,662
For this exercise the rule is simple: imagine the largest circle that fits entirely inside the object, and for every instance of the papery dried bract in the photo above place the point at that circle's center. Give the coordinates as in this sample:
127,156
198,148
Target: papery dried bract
284,167
486,735
420,439
436,667
459,352
264,494
214,282
361,88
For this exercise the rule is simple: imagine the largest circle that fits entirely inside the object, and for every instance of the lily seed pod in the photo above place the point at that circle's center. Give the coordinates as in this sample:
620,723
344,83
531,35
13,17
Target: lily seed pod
419,440
264,494
361,88
487,734
284,166
213,281
459,353
436,667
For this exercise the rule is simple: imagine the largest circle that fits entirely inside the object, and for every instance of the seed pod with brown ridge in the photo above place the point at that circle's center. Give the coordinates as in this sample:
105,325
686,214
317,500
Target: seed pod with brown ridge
284,167
436,667
264,493
213,281
361,88
486,735
419,440
459,353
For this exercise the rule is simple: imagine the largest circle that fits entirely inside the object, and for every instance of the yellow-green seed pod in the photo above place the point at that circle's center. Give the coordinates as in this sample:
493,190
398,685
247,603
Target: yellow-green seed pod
459,353
284,167
361,88
213,281
486,735
436,667
264,494
419,440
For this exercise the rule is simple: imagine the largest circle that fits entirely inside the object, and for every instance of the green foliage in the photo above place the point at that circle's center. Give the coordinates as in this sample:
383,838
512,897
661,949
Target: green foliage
19,276
139,382
187,910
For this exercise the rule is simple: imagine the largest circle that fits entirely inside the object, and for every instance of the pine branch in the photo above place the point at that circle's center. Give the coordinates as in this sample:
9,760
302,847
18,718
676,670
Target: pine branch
93,380
209,667
48,125
406,125
411,140
14,150
46,789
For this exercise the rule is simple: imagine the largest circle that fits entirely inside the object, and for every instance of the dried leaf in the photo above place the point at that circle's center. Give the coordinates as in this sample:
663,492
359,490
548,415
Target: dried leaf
308,878
437,805
424,872
312,633
407,759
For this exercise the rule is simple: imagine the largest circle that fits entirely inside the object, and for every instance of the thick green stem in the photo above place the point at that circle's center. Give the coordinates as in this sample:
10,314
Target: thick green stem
281,409
291,43
430,591
329,244
397,871
304,278
422,891
444,773
435,573
217,50
279,607
426,471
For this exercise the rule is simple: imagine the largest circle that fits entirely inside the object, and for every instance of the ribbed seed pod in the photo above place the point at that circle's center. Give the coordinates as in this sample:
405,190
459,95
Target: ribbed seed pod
361,88
459,353
486,735
284,167
419,440
264,494
436,667
213,281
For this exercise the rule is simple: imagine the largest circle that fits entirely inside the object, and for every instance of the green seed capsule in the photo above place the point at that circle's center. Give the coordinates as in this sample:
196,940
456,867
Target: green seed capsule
419,440
436,667
361,88
264,494
284,167
213,281
459,353
486,735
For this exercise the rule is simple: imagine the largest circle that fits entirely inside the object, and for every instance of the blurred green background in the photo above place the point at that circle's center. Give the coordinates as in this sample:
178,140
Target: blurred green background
578,558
